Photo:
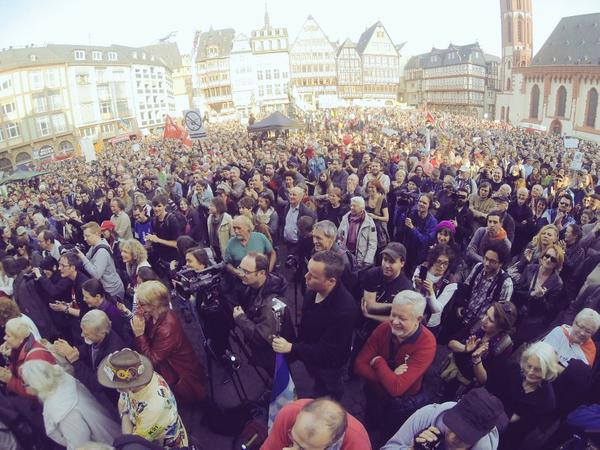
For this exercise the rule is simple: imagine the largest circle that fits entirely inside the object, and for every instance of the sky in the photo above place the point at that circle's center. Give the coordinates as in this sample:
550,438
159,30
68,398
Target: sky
422,24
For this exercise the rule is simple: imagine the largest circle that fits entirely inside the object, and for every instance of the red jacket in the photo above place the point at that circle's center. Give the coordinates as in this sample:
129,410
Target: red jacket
420,349
30,350
355,438
167,346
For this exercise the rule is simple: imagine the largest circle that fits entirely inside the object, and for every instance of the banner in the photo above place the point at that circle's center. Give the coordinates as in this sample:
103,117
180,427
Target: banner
174,131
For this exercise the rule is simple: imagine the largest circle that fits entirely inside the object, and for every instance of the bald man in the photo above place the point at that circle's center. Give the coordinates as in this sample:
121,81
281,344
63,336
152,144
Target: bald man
320,423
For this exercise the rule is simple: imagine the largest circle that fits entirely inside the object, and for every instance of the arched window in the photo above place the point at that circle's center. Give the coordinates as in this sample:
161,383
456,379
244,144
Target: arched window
591,108
561,101
508,84
520,30
502,110
534,102
509,30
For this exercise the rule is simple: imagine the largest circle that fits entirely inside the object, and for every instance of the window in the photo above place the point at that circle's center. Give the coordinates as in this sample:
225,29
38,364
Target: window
268,74
107,127
269,89
39,104
32,58
134,55
259,74
36,80
5,84
520,30
101,76
591,108
561,101
112,56
79,55
534,102
43,126
276,74
97,56
105,108
55,101
12,130
59,123
87,132
82,78
509,30
7,108
1,134
261,91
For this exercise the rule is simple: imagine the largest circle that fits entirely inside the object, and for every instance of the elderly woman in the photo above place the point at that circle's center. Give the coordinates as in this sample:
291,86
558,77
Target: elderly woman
357,232
575,342
526,393
19,347
246,240
72,416
219,227
488,345
160,337
538,293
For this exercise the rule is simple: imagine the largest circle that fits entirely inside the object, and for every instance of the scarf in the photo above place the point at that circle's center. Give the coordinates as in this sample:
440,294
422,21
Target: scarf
264,216
354,222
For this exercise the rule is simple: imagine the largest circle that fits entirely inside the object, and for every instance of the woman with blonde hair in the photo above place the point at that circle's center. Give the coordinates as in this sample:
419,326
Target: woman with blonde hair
547,236
72,416
537,294
134,256
160,337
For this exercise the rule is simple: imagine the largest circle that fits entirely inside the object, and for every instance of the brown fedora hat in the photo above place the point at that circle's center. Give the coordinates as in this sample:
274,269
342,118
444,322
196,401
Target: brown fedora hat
125,369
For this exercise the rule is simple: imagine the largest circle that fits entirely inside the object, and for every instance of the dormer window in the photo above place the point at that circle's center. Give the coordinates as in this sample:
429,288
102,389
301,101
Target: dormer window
97,56
79,55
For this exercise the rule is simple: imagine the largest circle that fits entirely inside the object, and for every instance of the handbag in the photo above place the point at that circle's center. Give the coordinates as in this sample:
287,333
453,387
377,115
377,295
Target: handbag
383,236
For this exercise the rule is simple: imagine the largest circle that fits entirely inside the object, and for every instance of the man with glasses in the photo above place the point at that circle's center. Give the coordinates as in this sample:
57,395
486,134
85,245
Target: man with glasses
255,316
320,424
561,216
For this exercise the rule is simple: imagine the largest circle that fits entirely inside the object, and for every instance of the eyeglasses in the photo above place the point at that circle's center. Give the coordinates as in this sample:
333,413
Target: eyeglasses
442,263
564,204
550,257
585,330
247,272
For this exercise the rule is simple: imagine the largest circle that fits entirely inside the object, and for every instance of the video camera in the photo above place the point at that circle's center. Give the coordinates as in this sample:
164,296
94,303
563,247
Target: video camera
208,281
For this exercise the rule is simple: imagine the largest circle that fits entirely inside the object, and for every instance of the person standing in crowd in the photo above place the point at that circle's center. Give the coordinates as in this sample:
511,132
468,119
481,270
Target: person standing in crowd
475,423
163,237
99,262
120,219
147,405
325,333
357,232
493,232
395,358
72,416
320,423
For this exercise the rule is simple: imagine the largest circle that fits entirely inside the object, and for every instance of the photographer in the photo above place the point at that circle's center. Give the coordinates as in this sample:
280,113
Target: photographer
99,262
257,317
459,212
473,423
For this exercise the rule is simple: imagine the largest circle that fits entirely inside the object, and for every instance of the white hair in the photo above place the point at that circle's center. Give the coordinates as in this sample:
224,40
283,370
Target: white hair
297,190
353,176
42,376
96,321
590,316
19,327
327,227
413,299
358,201
523,189
547,357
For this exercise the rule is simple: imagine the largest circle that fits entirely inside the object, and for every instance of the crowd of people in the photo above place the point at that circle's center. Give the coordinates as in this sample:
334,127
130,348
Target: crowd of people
451,267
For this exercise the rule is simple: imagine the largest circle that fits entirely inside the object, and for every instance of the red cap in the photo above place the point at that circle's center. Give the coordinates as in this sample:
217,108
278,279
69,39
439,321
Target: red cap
107,225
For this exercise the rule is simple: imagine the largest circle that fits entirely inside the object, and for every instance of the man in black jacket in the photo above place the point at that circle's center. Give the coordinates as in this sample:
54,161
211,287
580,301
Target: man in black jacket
325,333
99,341
459,212
257,317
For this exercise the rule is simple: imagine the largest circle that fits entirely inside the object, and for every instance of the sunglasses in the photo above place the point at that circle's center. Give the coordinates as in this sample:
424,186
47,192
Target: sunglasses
550,257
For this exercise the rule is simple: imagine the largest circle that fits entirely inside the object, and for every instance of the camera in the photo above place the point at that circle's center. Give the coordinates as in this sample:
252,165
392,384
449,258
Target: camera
291,262
404,198
231,360
190,281
429,445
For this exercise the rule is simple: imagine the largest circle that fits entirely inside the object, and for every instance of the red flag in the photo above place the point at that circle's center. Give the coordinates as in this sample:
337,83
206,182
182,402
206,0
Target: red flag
174,131
429,119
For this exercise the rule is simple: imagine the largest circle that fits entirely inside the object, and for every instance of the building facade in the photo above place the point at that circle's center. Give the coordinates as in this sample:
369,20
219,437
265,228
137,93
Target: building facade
349,72
52,97
312,63
243,75
558,92
380,63
213,69
517,38
455,79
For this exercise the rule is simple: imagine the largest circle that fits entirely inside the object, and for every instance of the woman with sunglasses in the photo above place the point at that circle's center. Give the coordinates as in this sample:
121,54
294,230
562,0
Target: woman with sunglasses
537,294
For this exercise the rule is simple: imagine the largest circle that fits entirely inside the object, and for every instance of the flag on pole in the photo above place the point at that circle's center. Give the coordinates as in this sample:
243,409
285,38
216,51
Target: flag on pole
429,119
174,131
284,390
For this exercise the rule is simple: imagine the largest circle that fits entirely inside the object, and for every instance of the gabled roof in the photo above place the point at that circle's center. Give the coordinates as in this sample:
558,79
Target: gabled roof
491,58
366,37
310,18
575,40
221,39
454,54
164,54
346,44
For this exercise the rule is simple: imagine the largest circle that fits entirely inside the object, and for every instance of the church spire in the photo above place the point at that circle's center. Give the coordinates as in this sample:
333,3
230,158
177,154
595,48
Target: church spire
267,20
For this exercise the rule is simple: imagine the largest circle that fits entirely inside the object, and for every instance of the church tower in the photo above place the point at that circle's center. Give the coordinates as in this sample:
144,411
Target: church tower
517,41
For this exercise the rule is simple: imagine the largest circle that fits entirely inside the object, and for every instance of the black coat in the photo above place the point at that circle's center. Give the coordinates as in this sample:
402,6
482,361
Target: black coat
86,367
325,333
33,306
